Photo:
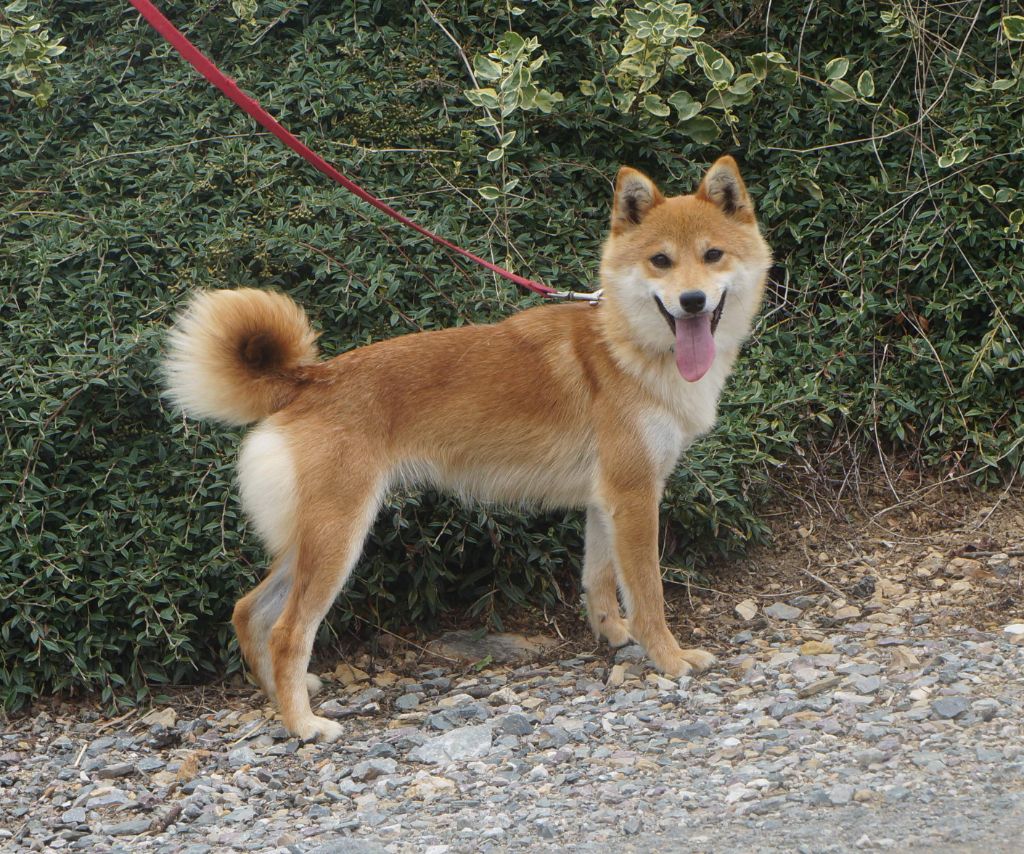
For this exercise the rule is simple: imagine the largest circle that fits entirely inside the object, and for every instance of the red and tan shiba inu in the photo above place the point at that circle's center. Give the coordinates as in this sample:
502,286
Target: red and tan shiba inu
558,406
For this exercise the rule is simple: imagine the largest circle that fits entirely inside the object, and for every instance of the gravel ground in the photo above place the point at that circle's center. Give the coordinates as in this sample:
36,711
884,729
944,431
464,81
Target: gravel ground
867,720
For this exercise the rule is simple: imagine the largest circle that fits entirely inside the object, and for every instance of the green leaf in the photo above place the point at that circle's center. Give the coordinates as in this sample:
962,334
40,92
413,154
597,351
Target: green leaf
654,105
811,188
487,98
716,66
511,46
633,46
841,91
866,84
1013,27
685,105
700,129
758,65
743,84
486,68
545,101
489,192
836,68
623,101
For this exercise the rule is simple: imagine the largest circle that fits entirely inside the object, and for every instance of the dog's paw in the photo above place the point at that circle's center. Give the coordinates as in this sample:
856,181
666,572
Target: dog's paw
685,662
313,684
616,631
316,728
698,659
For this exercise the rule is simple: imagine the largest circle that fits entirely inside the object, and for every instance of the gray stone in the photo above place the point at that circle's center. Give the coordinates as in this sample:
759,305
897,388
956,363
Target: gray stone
631,826
407,702
546,830
107,798
382,750
515,724
867,684
782,611
818,797
348,845
75,815
371,769
839,795
109,772
241,756
949,708
469,742
127,828
503,648
630,652
872,756
985,709
100,745
242,815
690,732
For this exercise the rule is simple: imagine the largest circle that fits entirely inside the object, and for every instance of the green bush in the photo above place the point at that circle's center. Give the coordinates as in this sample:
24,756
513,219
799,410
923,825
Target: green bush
883,149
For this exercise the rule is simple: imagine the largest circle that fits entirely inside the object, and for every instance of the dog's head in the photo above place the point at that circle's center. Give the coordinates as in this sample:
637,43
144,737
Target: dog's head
685,273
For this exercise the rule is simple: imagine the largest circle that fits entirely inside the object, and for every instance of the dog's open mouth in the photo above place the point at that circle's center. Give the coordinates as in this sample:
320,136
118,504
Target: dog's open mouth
695,339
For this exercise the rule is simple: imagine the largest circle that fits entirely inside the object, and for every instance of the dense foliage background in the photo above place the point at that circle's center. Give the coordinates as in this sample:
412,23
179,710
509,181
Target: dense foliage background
883,145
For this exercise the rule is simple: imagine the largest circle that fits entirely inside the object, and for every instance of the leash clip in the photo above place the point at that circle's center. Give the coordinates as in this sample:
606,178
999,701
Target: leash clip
593,297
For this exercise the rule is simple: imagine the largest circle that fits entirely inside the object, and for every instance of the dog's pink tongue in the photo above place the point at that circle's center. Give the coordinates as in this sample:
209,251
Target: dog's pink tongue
695,346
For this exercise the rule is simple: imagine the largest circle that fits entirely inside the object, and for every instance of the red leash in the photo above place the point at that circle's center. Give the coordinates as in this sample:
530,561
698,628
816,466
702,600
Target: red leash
230,89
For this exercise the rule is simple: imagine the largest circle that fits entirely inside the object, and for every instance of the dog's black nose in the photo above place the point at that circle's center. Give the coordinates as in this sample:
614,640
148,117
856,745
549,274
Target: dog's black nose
692,301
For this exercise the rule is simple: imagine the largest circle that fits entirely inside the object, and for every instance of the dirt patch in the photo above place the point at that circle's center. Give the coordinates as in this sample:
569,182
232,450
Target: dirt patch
956,559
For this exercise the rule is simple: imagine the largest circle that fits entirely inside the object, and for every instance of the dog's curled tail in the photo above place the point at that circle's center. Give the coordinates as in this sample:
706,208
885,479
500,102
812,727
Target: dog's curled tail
237,355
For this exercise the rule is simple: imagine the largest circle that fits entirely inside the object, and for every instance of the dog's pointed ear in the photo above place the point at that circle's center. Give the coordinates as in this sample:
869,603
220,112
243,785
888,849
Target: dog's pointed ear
724,188
635,195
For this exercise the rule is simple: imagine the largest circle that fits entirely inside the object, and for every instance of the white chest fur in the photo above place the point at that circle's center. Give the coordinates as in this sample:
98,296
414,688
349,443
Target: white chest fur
664,438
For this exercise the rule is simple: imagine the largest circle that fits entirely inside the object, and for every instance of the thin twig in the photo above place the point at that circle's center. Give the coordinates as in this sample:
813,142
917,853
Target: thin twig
424,649
117,720
831,587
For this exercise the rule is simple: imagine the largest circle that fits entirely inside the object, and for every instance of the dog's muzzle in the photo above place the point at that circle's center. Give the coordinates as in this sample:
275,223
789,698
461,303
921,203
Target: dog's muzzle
670,318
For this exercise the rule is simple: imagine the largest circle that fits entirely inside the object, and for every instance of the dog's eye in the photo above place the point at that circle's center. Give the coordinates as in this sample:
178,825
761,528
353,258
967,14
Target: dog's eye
713,255
661,261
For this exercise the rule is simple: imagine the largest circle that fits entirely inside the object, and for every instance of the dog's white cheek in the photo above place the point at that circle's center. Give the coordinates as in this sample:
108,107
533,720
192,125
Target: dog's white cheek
637,293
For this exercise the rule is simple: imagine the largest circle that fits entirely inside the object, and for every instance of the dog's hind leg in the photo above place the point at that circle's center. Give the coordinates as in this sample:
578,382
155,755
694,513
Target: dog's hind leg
332,525
599,583
254,617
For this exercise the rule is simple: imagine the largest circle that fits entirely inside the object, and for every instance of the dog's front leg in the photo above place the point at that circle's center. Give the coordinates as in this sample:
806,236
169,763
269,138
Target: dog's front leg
632,508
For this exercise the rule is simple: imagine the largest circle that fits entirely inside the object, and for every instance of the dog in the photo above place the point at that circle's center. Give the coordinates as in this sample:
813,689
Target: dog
559,406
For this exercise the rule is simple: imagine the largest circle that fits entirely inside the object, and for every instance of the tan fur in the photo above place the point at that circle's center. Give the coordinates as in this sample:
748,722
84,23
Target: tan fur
558,406
232,355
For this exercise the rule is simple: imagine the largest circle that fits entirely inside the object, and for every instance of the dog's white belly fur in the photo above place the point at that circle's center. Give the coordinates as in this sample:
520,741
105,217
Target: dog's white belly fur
564,479
540,486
